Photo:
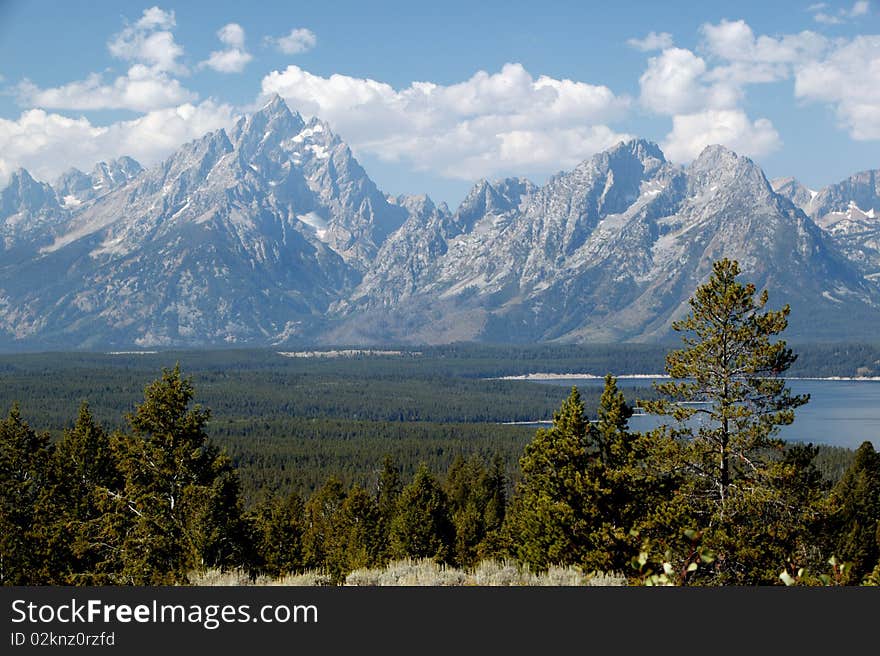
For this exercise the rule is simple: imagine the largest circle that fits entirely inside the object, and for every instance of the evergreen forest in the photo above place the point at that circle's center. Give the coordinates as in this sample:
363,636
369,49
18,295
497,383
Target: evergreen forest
253,462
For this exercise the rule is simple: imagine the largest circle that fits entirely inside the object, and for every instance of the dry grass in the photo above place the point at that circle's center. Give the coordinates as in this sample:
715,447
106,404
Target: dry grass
426,573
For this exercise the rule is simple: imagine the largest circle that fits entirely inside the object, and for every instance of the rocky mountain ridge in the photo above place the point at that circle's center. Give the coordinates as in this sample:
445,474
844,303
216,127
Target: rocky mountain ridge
272,233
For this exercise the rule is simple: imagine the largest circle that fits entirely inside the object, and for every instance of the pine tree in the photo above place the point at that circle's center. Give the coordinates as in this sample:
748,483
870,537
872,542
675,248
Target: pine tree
84,471
728,400
277,525
387,493
355,541
731,366
622,488
321,512
614,441
180,491
477,498
494,493
855,514
550,517
464,481
422,527
24,472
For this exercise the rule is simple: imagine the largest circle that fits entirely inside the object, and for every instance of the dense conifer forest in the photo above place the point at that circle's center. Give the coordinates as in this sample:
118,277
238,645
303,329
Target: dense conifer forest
253,462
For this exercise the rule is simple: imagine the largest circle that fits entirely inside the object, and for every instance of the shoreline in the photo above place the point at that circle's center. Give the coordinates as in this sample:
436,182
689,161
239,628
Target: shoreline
553,376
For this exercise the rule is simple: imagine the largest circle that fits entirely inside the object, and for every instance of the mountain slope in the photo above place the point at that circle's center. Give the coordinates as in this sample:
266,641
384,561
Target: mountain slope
272,233
611,251
226,241
850,212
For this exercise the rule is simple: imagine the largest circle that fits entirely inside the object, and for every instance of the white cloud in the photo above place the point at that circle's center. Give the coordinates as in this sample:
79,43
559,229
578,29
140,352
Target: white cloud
827,19
860,8
231,35
672,83
703,96
146,86
735,41
731,128
228,61
652,41
47,144
298,41
491,123
234,58
154,18
843,73
848,79
747,59
149,42
142,89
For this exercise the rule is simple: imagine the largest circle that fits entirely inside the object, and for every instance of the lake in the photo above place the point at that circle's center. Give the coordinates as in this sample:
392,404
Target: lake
840,412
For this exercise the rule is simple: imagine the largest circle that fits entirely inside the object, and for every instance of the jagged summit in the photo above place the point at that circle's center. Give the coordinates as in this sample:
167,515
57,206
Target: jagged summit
24,194
271,232
640,149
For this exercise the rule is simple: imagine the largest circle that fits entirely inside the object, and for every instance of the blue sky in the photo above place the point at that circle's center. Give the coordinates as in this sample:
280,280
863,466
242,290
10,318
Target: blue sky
432,97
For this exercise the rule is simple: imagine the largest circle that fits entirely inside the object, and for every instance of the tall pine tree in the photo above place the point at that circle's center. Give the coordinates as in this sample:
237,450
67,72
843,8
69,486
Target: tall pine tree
180,491
550,518
84,471
422,527
24,473
855,514
729,400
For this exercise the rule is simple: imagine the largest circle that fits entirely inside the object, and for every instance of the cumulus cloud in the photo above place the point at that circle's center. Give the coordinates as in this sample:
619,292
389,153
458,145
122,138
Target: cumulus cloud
141,89
827,19
232,35
842,73
47,143
748,59
730,127
234,58
298,41
672,84
703,96
149,41
736,41
488,124
848,79
147,85
652,41
859,8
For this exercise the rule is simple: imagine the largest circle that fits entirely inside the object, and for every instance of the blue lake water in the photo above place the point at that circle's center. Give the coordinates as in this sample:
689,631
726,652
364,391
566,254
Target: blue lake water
840,412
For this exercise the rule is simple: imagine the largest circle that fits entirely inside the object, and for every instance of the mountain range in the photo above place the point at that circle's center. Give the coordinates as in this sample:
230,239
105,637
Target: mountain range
271,233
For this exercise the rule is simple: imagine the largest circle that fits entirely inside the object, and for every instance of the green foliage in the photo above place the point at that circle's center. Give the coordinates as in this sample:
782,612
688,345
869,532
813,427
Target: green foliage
422,527
321,511
854,520
180,492
83,470
357,540
277,524
837,573
623,487
24,467
477,500
728,400
388,487
550,518
154,500
730,372
652,570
